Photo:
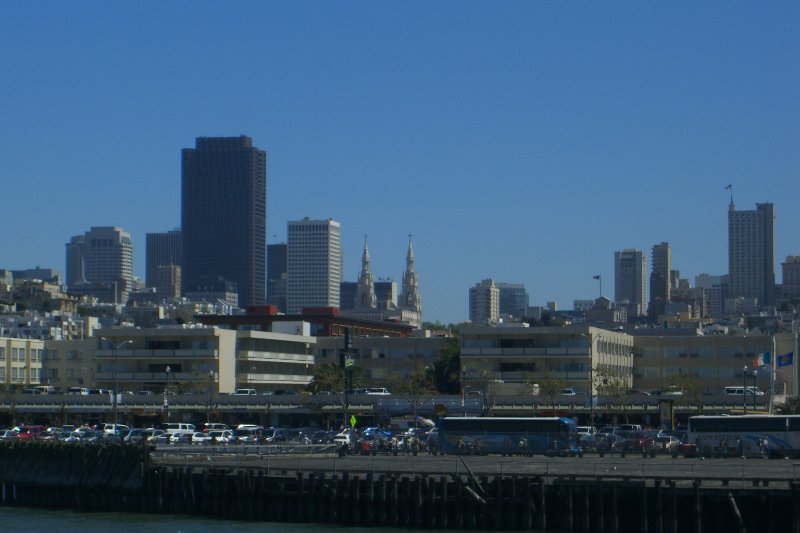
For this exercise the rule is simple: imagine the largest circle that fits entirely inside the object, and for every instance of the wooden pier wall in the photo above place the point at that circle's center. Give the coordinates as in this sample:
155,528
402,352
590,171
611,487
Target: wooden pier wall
118,478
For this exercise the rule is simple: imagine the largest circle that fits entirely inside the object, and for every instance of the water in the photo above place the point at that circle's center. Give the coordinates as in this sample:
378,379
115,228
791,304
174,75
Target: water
28,519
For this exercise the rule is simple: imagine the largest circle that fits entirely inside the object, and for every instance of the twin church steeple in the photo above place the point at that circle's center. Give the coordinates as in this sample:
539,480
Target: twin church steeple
365,298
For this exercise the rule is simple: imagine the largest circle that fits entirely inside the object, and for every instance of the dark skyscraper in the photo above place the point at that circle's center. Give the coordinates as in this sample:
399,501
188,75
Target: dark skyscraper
163,249
224,216
276,276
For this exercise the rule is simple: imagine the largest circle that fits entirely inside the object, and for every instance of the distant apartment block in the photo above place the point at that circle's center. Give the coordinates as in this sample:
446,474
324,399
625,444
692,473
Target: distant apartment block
314,264
713,286
660,280
100,264
630,281
484,303
164,250
514,299
277,277
790,288
751,253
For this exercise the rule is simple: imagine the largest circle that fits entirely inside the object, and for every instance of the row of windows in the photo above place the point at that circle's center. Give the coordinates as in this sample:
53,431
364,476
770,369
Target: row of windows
21,374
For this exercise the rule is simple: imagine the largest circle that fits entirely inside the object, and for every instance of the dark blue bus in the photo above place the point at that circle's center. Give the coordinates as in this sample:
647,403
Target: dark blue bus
508,436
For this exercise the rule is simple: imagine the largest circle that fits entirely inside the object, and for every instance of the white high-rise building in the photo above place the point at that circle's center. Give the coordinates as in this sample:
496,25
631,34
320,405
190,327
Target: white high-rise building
314,264
101,256
751,253
484,303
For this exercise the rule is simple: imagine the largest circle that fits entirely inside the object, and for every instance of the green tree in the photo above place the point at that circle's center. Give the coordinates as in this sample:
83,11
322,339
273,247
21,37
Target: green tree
414,383
327,377
612,384
447,368
691,388
550,387
483,379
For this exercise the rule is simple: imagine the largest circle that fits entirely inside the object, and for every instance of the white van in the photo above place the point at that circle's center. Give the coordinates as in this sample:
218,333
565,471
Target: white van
82,391
181,428
244,392
741,391
378,391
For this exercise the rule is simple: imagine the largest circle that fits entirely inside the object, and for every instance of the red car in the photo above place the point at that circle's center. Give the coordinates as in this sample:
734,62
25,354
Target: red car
30,432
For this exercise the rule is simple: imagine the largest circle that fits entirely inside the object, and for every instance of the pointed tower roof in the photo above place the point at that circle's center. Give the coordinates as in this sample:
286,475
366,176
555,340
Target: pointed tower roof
365,290
410,298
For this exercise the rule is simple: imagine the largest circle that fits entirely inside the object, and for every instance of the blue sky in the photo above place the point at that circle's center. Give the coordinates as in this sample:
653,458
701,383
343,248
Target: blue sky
522,141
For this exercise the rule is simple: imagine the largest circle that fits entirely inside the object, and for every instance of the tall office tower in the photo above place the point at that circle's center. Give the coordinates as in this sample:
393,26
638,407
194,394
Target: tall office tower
167,282
347,295
630,283
751,253
410,299
314,264
276,276
660,280
365,289
102,256
224,216
484,303
163,250
790,286
75,261
514,299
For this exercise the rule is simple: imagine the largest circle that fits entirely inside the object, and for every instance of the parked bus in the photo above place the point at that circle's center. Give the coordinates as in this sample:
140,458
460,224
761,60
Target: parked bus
508,435
746,436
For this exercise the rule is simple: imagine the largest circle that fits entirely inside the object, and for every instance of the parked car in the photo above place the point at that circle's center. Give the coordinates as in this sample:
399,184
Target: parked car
117,429
8,434
323,437
224,436
213,426
182,438
248,435
274,435
201,438
30,432
161,438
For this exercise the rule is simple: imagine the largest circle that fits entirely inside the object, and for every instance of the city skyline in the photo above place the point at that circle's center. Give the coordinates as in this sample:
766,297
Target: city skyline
520,142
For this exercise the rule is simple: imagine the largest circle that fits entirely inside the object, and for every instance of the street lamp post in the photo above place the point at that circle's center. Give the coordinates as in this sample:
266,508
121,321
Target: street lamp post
464,391
744,389
210,392
755,373
166,389
349,366
115,348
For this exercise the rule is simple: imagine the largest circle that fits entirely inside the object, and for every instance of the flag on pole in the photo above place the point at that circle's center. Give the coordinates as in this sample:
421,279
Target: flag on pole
762,359
785,359
596,277
729,187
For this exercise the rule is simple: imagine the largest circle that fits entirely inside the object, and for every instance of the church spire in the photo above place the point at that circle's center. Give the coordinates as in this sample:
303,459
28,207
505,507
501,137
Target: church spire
410,298
365,290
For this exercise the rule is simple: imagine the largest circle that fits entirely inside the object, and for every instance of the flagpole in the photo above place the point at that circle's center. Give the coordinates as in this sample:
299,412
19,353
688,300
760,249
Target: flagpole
774,362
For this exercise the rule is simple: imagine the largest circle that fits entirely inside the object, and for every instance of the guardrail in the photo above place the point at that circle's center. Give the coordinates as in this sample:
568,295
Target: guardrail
394,405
